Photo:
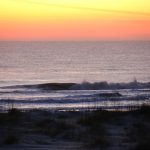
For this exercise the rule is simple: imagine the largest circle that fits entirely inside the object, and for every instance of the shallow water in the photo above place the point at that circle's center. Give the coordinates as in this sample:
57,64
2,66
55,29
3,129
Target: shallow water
111,97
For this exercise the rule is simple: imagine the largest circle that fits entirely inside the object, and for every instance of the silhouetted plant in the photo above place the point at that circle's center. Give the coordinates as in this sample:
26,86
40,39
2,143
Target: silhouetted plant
11,139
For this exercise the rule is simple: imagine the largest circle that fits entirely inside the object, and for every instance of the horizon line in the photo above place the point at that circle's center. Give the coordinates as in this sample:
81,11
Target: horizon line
129,40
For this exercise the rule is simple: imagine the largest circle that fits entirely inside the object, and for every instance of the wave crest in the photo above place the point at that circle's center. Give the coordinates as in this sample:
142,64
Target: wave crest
84,86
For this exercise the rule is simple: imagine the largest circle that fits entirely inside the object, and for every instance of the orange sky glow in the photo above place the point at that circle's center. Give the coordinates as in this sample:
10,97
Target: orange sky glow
74,20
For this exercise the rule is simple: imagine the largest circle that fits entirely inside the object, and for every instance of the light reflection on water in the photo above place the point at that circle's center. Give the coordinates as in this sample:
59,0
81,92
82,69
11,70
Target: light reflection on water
120,105
24,63
75,99
43,62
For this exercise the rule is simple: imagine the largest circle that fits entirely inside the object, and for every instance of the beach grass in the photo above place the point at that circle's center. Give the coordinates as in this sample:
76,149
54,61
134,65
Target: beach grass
99,129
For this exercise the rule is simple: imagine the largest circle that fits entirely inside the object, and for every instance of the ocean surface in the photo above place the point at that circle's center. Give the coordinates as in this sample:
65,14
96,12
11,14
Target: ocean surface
101,74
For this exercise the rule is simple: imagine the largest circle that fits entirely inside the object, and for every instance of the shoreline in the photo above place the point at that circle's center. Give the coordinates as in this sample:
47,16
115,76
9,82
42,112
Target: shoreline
73,96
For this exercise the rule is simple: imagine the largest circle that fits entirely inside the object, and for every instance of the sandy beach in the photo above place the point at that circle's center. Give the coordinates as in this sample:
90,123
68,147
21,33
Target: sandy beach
72,130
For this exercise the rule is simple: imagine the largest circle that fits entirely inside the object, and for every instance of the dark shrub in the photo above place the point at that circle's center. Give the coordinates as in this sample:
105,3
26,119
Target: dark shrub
11,139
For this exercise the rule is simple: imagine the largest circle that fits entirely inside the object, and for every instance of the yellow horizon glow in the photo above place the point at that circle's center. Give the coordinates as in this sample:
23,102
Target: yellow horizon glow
72,15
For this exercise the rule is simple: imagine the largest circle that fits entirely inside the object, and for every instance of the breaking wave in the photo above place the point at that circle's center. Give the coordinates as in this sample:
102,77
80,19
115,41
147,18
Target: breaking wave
75,95
84,86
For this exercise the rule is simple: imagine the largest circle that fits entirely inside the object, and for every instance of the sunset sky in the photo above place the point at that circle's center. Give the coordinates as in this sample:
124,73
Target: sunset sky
74,19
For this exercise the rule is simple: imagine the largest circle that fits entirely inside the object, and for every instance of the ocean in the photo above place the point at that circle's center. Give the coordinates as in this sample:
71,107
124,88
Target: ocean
103,74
